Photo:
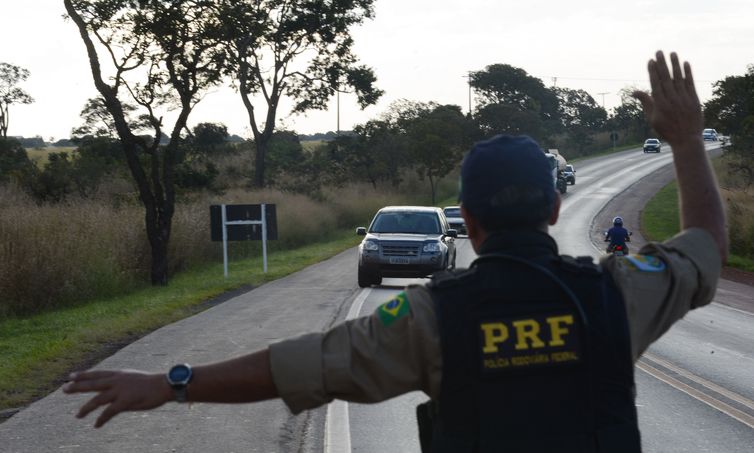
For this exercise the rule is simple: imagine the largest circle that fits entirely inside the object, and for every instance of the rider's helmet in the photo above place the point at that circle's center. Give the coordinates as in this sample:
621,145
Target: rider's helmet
618,221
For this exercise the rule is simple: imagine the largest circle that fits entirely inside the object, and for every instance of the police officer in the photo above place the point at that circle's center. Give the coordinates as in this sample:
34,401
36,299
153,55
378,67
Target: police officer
525,351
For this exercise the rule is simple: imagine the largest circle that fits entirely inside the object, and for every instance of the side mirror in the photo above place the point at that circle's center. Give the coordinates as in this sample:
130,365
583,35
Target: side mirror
361,231
452,233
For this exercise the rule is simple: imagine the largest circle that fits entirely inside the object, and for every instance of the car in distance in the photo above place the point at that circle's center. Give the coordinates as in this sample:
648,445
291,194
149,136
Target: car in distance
405,241
652,145
453,214
569,174
709,135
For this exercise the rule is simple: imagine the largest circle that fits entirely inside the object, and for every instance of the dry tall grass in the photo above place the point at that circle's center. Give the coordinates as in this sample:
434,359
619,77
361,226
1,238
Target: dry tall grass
53,255
739,201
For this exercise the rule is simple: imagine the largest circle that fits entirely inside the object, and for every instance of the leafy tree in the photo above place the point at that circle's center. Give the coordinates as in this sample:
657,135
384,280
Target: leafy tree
285,153
55,182
731,104
376,152
437,138
15,165
210,136
731,110
629,117
299,49
580,115
98,122
10,76
511,101
160,55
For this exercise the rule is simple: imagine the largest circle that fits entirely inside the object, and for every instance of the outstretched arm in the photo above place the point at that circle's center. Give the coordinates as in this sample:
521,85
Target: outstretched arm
240,380
674,111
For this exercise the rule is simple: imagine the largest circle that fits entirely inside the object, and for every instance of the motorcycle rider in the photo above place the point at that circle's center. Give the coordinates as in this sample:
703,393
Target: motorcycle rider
617,236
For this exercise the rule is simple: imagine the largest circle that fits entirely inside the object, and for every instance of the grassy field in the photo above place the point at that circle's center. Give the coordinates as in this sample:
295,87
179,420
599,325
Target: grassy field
659,221
39,155
38,351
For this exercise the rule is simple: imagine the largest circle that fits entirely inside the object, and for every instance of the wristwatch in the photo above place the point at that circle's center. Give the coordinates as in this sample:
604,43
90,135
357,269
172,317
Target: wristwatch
179,377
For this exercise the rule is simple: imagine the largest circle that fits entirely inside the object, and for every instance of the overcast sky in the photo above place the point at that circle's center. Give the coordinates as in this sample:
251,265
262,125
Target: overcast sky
421,50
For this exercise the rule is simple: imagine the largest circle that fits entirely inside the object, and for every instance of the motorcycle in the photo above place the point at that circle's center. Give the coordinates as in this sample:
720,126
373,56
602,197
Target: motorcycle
617,249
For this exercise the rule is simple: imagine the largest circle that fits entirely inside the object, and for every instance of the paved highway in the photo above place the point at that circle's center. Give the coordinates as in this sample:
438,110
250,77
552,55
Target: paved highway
695,386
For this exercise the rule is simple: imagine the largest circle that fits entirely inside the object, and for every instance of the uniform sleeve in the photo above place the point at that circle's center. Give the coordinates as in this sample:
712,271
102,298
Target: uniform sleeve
369,359
664,281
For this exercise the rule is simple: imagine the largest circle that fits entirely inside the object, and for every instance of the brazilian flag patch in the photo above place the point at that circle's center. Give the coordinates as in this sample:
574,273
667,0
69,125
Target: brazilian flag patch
646,263
393,310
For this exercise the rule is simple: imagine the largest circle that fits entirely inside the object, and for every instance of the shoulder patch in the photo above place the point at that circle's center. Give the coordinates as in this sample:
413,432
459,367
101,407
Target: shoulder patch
645,263
394,309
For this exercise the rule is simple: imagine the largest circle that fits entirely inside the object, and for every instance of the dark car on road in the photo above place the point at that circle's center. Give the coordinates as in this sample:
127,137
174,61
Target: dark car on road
453,214
405,241
652,145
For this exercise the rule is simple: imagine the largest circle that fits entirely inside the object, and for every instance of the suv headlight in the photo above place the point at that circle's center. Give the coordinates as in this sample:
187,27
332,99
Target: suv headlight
371,245
432,247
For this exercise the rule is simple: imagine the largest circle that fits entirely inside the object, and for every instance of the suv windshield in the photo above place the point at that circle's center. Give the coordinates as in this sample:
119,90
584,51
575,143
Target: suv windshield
452,212
406,222
653,141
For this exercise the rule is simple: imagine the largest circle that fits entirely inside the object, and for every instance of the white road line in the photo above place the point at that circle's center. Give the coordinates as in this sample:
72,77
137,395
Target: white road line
337,425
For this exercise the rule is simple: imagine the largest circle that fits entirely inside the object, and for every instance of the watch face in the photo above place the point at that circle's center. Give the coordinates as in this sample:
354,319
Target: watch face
179,374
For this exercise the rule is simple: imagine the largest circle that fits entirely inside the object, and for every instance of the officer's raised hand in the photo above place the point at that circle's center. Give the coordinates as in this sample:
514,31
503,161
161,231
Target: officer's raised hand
673,108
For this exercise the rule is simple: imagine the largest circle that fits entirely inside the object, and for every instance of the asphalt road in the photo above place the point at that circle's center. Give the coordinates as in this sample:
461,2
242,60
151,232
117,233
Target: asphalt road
695,386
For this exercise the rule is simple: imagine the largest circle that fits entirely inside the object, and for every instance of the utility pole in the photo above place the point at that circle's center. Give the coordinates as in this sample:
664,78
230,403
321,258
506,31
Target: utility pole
603,98
468,80
337,109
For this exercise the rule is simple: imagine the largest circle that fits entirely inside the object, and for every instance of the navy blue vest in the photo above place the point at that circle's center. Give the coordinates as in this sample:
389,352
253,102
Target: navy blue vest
536,354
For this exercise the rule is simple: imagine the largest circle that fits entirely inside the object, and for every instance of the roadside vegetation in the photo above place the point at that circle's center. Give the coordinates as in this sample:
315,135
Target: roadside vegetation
659,219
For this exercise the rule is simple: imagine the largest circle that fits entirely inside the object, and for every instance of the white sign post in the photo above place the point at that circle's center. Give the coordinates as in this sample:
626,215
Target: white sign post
226,223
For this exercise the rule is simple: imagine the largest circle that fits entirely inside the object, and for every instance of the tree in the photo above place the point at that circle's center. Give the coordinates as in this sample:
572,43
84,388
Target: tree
160,55
98,122
438,138
10,94
300,49
209,136
731,110
376,152
580,116
511,101
629,117
15,165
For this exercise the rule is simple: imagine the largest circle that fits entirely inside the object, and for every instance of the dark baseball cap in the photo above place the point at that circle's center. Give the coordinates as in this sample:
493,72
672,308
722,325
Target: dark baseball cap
507,181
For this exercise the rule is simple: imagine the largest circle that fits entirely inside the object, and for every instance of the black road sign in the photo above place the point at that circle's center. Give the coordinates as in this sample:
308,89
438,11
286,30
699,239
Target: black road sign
243,212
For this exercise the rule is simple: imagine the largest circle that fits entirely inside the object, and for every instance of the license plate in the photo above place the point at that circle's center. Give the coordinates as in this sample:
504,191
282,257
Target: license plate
398,260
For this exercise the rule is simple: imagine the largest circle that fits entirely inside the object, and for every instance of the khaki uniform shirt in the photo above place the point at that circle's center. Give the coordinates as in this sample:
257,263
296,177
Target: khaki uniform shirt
370,360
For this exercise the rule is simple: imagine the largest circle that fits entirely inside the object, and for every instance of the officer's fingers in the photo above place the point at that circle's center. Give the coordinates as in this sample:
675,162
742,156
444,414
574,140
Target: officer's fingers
664,74
91,374
95,402
678,82
88,385
654,81
110,411
690,87
646,101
